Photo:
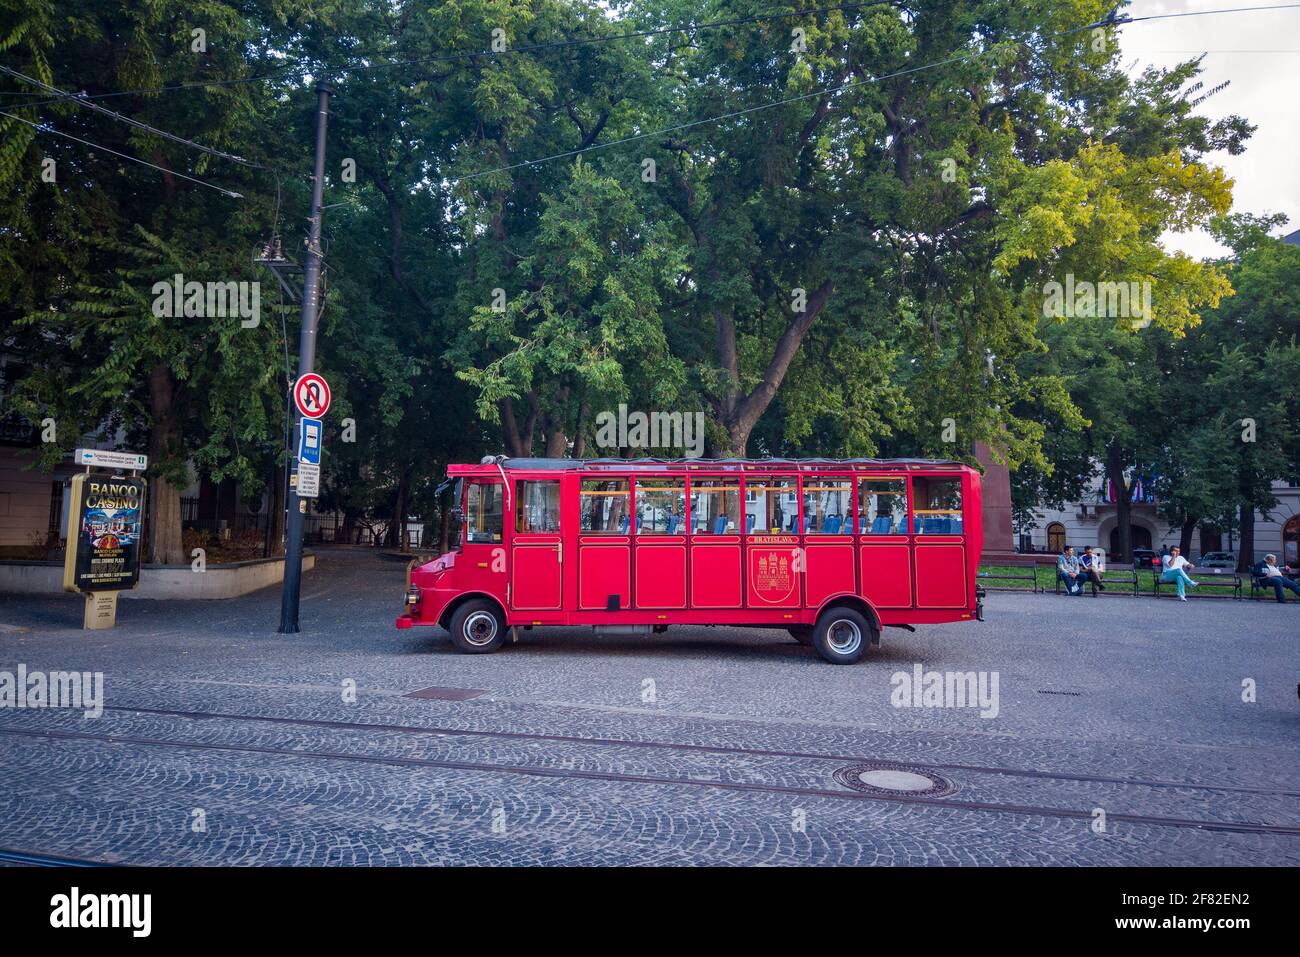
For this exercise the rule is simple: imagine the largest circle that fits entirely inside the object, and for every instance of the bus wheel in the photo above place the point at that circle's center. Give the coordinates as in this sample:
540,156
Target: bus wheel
802,634
841,635
477,627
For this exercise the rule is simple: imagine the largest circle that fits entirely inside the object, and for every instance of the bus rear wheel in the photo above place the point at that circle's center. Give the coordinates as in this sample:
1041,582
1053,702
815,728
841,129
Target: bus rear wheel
478,627
841,635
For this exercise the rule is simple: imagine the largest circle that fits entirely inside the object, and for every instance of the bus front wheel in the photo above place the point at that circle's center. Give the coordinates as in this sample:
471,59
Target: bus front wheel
478,627
841,636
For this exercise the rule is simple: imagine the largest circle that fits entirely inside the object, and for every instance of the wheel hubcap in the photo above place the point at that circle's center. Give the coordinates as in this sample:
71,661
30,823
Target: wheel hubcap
844,637
480,628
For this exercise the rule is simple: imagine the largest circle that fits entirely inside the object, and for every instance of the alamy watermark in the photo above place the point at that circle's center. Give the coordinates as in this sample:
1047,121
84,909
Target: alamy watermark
946,689
73,690
651,430
175,298
74,909
1100,300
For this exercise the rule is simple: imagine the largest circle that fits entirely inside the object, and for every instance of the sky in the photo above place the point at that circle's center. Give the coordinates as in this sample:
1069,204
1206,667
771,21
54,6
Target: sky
1259,52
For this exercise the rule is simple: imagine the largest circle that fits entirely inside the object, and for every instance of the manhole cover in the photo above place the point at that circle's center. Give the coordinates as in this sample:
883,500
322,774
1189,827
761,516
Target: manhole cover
898,779
447,694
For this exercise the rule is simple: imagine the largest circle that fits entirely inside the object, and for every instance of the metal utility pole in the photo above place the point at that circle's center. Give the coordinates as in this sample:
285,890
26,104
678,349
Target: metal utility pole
306,362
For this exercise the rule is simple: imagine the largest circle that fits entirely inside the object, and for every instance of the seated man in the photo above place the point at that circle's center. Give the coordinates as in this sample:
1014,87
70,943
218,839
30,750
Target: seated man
1174,565
1268,573
1091,566
1068,571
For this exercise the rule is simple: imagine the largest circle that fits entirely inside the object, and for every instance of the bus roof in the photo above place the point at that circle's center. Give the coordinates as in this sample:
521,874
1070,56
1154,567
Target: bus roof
654,464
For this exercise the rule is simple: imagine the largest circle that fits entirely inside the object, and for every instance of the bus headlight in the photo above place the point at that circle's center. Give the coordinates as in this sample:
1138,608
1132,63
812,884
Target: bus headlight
412,597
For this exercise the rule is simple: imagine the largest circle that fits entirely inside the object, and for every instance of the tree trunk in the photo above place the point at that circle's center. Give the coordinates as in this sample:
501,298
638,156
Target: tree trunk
1185,537
518,441
268,524
398,535
444,527
1123,510
580,430
557,444
1246,550
278,516
738,414
165,547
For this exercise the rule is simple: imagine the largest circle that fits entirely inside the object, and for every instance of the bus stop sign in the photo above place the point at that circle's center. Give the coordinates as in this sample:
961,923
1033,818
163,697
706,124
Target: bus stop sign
312,396
309,441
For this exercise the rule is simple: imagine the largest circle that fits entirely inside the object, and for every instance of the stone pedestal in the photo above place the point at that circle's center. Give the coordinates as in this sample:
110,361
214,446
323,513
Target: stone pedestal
999,540
101,610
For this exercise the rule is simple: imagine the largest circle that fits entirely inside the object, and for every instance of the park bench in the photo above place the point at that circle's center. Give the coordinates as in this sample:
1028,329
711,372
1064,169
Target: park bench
1204,578
1109,578
1031,576
1260,588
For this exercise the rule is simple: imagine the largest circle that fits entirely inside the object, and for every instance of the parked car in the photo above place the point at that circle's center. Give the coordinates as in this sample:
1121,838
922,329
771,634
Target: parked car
1145,558
1219,560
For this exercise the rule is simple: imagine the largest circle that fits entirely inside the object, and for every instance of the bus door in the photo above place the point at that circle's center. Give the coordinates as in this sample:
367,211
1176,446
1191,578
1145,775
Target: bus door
537,549
714,550
483,555
938,542
605,544
884,557
773,563
828,567
660,559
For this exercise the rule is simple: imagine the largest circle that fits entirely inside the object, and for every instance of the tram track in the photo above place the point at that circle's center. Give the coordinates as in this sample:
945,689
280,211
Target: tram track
1240,827
32,859
440,731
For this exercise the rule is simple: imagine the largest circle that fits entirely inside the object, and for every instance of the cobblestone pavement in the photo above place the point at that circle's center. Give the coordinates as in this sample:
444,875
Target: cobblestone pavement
223,742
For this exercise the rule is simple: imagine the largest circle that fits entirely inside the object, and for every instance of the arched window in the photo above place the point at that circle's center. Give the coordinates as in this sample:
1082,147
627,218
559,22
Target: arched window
1055,537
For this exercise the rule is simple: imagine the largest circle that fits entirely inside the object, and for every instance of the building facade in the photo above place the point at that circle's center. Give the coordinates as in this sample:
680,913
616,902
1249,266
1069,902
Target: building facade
1092,520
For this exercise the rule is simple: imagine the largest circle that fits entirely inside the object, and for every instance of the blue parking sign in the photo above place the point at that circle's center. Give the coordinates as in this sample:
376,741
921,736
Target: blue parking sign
309,436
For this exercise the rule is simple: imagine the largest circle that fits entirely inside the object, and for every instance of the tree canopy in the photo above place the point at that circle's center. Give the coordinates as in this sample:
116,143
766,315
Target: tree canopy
829,229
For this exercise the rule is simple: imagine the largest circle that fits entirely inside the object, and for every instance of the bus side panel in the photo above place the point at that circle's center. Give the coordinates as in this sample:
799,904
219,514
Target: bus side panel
829,571
715,576
974,521
887,574
661,574
941,579
604,573
535,577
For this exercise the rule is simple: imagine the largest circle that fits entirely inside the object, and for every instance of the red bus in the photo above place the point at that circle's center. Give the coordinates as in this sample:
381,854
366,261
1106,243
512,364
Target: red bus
831,550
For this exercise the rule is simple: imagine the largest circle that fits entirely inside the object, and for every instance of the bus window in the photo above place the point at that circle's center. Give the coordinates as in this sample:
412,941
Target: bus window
771,506
936,506
661,507
882,507
715,506
605,507
486,519
827,506
537,509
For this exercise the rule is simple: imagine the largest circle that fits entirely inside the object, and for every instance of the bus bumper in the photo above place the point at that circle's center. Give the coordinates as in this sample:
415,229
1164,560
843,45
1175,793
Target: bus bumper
404,622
